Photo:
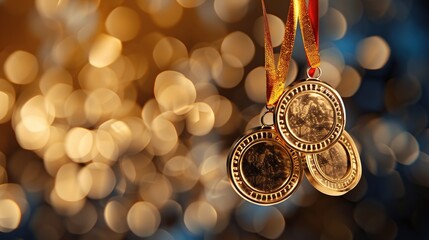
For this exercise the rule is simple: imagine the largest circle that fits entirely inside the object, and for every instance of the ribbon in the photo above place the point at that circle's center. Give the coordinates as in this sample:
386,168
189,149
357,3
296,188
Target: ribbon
276,77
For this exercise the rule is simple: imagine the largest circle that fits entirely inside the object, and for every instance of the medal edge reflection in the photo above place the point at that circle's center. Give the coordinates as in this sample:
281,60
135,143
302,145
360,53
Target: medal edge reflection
283,105
311,169
288,186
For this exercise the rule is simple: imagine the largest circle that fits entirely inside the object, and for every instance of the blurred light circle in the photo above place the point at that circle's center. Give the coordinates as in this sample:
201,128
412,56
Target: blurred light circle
79,143
239,45
32,137
350,82
167,51
228,72
331,74
372,52
143,219
102,177
406,148
123,23
155,189
21,67
200,216
104,51
8,95
333,24
52,76
190,3
277,29
164,136
114,214
10,215
231,11
92,78
222,109
168,15
274,223
255,85
200,119
83,221
67,184
64,207
174,92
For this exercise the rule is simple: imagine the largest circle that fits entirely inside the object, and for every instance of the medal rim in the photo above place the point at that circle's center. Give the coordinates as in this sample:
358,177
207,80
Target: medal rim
312,169
296,164
288,136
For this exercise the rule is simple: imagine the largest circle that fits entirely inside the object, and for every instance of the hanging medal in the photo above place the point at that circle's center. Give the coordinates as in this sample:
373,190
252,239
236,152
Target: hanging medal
262,168
310,114
336,170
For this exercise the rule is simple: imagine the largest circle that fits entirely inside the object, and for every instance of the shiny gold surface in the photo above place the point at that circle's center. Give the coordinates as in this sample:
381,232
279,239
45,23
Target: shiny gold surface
336,170
310,116
262,169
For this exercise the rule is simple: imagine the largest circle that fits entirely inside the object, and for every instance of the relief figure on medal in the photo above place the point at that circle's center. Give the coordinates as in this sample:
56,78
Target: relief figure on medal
266,166
310,117
334,162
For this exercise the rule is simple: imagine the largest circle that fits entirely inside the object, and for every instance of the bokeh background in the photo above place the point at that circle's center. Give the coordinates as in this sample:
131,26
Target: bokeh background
116,118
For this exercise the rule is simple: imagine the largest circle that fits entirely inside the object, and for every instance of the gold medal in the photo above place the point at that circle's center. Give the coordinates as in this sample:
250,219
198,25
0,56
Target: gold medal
262,169
336,170
310,116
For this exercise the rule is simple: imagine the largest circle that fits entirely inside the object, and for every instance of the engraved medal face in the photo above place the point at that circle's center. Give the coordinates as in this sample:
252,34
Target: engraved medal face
310,116
262,169
336,170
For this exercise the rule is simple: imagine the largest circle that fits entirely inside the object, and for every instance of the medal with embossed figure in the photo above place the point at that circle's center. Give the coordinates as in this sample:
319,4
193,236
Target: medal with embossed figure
262,168
336,170
310,115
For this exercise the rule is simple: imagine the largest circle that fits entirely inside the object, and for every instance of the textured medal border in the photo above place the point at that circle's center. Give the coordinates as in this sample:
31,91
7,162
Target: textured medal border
239,183
328,185
326,91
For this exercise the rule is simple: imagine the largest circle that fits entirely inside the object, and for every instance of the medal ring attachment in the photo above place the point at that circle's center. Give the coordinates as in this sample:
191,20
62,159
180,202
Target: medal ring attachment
316,75
268,122
262,168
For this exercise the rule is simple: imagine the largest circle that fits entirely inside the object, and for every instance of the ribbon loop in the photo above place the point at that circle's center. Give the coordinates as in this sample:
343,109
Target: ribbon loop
276,77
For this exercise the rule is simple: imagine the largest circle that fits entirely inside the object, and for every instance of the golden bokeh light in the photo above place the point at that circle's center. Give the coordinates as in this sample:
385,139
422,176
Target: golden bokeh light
118,19
231,11
10,215
21,67
373,52
190,3
143,219
67,184
255,85
277,29
221,107
114,214
83,221
79,143
200,119
156,189
240,46
104,51
64,207
167,51
102,178
7,96
174,92
350,82
229,72
200,216
334,24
